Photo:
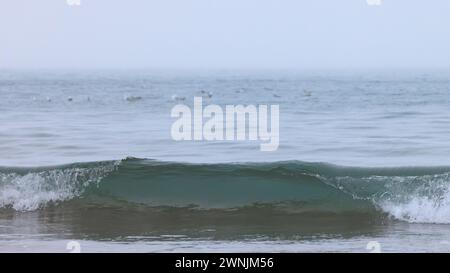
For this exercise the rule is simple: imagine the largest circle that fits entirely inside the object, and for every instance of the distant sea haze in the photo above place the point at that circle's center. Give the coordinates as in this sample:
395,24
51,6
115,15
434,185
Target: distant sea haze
355,119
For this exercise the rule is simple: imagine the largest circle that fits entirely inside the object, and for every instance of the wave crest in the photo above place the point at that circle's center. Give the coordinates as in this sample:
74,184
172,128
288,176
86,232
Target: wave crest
26,191
411,194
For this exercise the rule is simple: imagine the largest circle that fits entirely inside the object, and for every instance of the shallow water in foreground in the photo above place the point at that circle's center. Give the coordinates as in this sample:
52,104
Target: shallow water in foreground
52,231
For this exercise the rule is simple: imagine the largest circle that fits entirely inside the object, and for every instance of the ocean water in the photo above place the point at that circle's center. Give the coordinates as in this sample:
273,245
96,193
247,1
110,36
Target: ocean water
87,156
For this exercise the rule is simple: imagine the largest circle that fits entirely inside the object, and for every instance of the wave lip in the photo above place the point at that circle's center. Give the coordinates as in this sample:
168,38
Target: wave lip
419,194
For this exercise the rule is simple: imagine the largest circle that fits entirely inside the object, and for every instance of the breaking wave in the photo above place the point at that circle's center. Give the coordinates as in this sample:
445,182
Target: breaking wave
415,194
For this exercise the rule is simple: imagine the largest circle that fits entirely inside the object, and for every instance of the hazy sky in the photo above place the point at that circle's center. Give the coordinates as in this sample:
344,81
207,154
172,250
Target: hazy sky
224,34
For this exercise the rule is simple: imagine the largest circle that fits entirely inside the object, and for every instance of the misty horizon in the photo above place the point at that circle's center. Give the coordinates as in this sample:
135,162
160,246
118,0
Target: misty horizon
200,34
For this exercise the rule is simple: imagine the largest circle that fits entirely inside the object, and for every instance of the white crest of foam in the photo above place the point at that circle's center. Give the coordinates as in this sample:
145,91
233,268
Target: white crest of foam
419,199
31,191
420,210
415,199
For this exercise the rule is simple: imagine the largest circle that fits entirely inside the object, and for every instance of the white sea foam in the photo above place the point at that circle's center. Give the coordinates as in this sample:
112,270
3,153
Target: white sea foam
420,210
31,191
423,199
415,199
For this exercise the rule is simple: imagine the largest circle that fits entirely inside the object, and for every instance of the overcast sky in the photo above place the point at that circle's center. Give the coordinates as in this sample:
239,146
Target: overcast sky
224,34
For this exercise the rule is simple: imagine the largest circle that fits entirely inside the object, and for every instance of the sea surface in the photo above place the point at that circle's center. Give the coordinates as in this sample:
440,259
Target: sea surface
87,159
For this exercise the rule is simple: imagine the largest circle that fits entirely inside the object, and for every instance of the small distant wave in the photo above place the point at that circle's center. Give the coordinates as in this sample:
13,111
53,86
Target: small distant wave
419,194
